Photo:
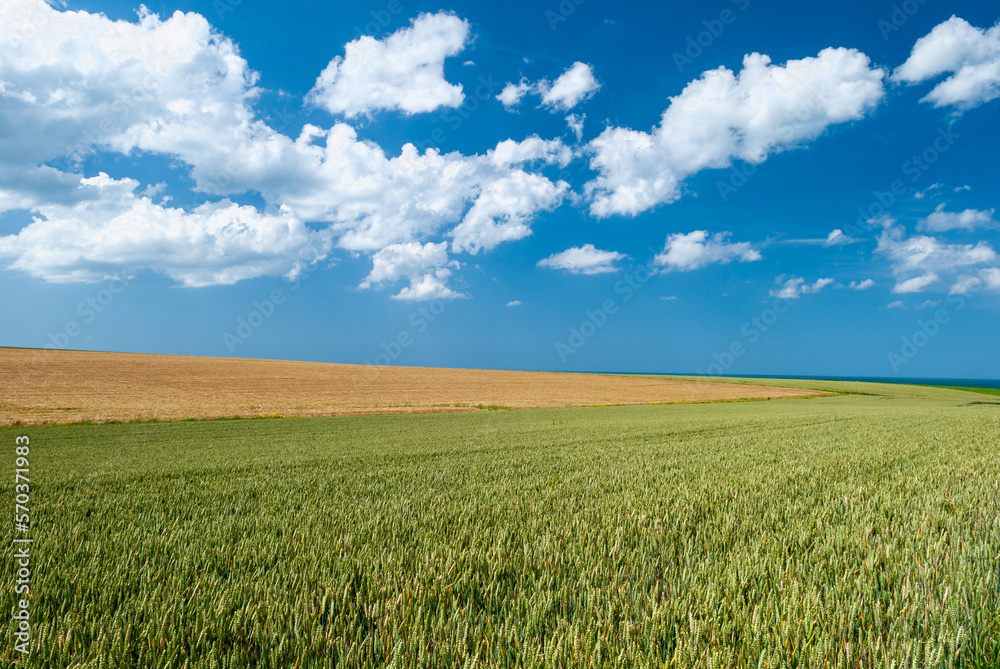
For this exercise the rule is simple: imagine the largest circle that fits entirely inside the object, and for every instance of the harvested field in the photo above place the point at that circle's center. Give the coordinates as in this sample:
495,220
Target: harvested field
62,386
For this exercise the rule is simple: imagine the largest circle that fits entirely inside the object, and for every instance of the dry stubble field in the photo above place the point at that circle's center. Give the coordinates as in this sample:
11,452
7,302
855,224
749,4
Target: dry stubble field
65,386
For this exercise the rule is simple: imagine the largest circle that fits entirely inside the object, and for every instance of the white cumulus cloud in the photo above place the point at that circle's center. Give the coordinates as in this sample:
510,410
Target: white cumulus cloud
838,238
426,266
965,284
861,285
176,87
916,284
921,260
724,116
988,279
921,194
110,227
503,209
693,250
512,93
795,287
82,84
941,220
991,277
429,286
87,83
575,124
373,200
923,253
570,88
970,55
584,259
404,71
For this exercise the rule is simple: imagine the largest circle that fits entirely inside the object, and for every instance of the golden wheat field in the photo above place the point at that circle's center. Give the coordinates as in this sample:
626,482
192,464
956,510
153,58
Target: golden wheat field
61,386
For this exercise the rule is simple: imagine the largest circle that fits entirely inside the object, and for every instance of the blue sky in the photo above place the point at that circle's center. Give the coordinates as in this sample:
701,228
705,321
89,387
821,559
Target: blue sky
731,187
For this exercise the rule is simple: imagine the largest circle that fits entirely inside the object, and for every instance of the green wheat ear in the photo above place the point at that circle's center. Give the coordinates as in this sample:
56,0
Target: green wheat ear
731,535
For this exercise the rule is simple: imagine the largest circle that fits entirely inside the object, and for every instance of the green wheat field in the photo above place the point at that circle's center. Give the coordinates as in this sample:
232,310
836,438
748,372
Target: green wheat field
855,530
